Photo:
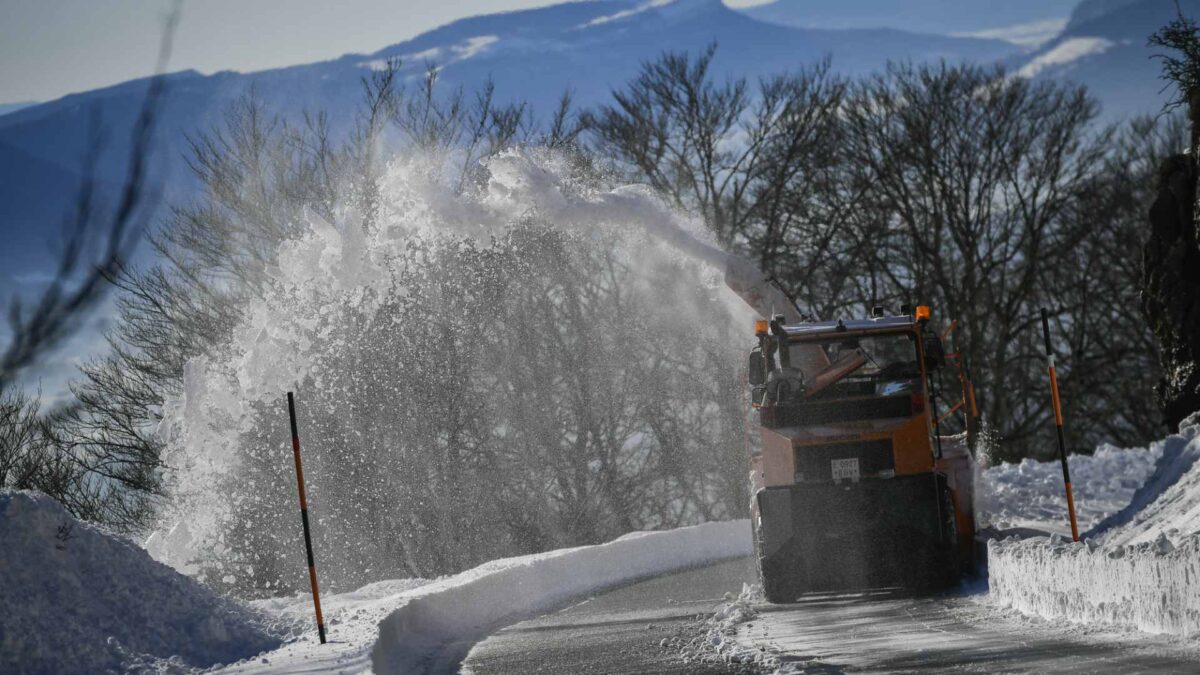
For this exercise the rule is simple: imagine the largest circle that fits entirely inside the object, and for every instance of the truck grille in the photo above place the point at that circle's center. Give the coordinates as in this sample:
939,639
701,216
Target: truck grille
814,462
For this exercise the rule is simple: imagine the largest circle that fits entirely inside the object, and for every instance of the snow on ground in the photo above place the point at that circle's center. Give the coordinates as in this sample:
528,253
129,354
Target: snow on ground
1135,569
1149,587
624,14
717,641
424,626
467,607
77,599
351,622
1031,493
418,626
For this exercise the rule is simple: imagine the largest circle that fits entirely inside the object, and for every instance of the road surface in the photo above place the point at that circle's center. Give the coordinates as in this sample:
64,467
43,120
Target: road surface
618,632
621,632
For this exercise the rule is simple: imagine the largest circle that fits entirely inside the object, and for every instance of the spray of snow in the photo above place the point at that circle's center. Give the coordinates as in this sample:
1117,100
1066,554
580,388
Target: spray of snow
339,265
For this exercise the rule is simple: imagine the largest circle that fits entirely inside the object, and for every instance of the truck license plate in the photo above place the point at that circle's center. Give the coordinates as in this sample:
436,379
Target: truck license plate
845,468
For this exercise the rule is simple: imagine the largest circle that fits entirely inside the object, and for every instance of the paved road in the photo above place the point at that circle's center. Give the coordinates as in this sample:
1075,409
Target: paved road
616,633
886,633
619,632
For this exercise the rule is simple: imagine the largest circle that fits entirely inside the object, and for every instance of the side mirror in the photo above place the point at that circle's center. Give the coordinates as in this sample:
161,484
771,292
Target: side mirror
757,373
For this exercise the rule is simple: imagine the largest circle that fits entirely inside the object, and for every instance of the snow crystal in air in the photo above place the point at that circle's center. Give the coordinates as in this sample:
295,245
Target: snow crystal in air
339,267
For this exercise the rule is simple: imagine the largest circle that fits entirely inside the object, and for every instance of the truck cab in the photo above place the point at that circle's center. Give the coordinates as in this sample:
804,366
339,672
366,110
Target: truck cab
855,485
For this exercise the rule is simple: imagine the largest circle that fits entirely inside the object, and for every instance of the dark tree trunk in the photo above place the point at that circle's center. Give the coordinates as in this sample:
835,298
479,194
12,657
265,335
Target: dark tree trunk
1171,282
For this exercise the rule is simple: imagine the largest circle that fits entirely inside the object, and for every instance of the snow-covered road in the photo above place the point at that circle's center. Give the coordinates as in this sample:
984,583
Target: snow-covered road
959,633
640,628
649,622
661,602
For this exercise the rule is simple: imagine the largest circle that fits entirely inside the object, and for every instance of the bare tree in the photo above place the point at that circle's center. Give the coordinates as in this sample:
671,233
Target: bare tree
35,450
976,187
758,162
1181,62
984,195
79,281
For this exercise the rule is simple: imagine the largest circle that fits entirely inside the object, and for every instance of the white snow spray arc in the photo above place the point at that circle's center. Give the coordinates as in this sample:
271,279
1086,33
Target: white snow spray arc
341,268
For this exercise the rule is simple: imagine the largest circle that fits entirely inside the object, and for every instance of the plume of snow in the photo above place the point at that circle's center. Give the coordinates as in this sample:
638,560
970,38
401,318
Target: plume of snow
342,265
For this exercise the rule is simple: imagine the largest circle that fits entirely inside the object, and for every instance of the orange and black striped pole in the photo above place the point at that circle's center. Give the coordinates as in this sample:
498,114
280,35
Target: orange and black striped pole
312,566
1058,422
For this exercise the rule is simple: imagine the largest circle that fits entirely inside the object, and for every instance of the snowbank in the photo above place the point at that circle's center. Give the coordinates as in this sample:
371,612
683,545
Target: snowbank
1150,586
1030,494
352,620
417,626
433,630
76,599
1137,568
1168,504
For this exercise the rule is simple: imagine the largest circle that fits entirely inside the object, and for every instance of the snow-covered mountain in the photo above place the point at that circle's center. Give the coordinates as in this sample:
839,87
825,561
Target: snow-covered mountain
1014,20
1104,46
590,47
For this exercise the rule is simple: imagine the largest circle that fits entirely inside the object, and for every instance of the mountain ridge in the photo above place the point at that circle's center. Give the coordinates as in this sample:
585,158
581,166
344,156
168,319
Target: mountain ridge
534,54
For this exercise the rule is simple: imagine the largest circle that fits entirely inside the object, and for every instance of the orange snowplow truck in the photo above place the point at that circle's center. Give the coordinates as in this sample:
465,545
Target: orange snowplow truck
854,486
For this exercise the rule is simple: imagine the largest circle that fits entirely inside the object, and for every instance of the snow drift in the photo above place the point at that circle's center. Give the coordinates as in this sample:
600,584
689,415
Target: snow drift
1137,568
77,599
435,628
415,626
1030,493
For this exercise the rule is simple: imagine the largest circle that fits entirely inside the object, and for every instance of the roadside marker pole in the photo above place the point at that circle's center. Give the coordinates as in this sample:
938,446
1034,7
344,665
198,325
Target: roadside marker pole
1058,421
312,566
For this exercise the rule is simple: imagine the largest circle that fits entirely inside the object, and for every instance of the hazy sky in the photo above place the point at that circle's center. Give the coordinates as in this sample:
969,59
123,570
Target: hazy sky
49,48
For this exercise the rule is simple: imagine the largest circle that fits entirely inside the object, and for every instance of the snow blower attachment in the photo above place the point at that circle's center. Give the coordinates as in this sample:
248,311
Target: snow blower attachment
855,487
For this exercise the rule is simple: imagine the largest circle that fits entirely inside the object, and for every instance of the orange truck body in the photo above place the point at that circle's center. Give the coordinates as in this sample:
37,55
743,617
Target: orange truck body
854,485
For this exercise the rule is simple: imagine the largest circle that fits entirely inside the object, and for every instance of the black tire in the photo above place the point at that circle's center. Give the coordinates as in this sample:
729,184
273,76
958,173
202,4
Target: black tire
945,570
777,587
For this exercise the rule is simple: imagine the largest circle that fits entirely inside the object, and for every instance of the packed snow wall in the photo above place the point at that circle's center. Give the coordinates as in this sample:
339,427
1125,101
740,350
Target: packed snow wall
1138,568
544,359
433,630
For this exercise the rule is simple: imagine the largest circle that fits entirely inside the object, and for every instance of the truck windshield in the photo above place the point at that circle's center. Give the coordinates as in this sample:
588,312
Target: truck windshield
879,365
